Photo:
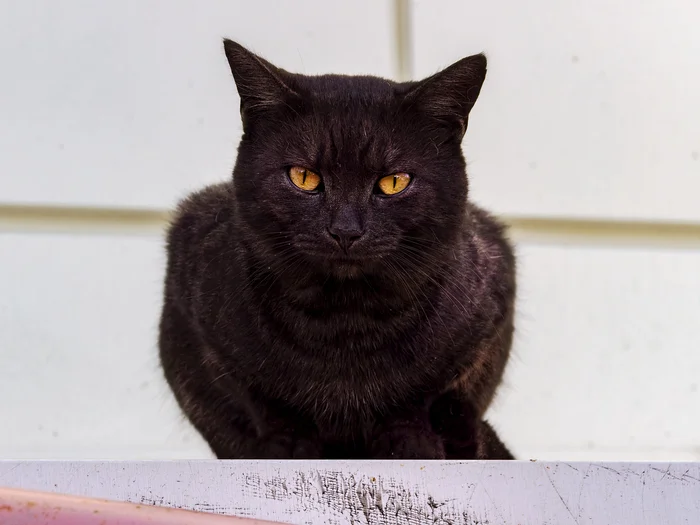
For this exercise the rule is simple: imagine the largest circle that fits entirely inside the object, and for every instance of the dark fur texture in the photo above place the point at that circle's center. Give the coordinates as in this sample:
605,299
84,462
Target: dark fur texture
279,342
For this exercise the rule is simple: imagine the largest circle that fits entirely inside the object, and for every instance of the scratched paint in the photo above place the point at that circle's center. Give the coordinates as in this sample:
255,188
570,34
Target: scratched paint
385,492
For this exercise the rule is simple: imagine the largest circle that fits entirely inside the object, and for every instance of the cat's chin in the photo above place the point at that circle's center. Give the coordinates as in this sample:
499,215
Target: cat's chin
346,269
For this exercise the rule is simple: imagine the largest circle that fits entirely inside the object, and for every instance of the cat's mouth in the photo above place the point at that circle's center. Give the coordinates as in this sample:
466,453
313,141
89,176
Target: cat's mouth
347,267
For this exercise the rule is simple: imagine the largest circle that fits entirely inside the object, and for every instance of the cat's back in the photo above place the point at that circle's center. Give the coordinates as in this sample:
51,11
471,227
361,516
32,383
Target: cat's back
200,211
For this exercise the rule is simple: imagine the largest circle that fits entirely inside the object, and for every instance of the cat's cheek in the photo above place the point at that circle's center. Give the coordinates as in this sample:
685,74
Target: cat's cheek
292,207
402,216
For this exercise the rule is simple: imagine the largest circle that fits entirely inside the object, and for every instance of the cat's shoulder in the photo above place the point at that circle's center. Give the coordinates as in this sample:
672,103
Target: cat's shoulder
490,233
206,203
200,213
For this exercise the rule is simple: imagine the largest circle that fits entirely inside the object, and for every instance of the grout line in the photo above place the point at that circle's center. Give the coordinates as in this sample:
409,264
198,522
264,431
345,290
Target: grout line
56,219
611,233
404,57
530,230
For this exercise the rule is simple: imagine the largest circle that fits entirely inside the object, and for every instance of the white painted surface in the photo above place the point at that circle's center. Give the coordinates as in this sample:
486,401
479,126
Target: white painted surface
590,109
130,103
79,374
606,363
336,492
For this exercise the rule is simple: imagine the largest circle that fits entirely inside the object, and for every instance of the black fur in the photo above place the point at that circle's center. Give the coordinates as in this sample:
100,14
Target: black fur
279,341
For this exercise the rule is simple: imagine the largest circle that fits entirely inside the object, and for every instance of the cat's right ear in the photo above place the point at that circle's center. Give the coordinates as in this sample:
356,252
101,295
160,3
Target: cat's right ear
260,84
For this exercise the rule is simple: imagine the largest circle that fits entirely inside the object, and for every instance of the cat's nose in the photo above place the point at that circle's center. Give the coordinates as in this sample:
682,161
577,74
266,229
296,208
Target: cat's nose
345,237
346,227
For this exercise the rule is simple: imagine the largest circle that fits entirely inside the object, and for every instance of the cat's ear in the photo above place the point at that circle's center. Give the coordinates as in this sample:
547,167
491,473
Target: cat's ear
260,84
449,95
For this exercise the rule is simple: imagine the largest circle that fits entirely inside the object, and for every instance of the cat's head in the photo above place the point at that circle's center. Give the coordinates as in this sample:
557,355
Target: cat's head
351,175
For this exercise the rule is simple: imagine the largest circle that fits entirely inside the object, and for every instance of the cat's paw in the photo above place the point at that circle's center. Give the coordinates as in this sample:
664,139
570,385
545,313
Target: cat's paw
307,448
290,446
406,440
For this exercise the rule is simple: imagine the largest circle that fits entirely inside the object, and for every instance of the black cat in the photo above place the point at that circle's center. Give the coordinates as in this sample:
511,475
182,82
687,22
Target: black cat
340,297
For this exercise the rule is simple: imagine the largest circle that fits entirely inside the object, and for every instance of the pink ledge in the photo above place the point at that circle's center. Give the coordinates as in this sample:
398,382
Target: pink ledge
21,507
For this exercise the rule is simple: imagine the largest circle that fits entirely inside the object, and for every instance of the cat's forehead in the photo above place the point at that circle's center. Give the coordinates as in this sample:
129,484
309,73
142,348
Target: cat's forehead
349,121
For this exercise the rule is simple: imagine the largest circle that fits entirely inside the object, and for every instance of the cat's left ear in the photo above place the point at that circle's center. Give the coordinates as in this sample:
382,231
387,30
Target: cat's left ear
260,85
449,96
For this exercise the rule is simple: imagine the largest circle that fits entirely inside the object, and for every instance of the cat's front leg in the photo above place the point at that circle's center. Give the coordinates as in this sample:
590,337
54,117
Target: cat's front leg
276,436
406,436
236,422
290,438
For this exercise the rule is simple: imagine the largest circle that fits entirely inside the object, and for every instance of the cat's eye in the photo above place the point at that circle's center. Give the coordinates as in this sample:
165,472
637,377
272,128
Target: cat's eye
304,179
393,184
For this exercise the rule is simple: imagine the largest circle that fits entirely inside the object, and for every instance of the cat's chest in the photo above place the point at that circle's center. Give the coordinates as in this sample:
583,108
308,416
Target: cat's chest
347,386
340,355
356,374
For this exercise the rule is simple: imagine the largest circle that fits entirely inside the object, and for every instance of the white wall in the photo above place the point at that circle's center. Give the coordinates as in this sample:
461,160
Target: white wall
112,111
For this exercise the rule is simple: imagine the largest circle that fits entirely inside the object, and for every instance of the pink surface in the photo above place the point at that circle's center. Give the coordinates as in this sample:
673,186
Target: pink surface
19,507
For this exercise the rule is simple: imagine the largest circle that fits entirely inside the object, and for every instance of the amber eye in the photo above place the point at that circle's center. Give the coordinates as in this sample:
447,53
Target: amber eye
393,184
304,179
